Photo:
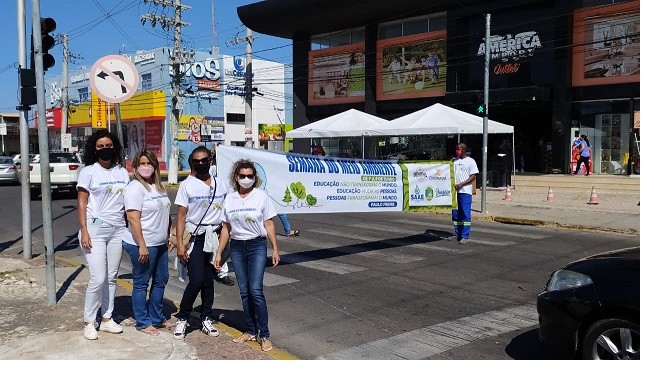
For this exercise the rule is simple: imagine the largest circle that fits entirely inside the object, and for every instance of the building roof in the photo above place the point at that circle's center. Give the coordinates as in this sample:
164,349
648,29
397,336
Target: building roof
286,18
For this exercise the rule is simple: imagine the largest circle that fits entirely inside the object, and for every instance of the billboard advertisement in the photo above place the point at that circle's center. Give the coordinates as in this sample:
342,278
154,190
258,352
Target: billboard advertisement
412,66
606,45
337,75
209,128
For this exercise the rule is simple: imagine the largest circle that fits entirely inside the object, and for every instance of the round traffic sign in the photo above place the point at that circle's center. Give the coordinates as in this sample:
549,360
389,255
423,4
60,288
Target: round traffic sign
195,127
196,138
114,78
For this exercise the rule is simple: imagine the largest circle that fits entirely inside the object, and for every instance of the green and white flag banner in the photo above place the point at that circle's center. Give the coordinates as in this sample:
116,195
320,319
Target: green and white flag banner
300,183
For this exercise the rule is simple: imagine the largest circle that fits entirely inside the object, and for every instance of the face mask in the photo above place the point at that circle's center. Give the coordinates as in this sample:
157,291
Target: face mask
146,170
246,183
458,153
202,168
106,154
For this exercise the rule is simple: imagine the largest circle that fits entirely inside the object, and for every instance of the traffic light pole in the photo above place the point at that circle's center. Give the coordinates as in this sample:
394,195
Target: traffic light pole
484,171
46,194
249,143
24,140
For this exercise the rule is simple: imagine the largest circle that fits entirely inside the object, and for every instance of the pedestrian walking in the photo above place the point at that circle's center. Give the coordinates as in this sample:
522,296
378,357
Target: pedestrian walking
148,216
465,174
584,147
247,220
288,231
199,200
101,216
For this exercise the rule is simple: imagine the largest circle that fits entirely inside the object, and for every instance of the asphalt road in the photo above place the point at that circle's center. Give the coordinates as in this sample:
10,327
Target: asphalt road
367,286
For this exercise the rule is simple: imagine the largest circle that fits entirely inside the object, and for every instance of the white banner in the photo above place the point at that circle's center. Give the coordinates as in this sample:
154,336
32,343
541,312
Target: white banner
300,183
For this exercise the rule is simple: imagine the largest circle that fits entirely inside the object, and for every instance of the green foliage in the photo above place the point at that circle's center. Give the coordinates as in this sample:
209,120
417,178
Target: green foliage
287,196
311,200
299,190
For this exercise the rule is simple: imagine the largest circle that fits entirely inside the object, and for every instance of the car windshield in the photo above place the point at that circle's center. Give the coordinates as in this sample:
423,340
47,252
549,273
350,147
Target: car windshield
6,161
63,158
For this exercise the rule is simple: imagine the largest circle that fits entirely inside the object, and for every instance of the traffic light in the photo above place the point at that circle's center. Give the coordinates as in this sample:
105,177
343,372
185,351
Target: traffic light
48,25
480,107
27,88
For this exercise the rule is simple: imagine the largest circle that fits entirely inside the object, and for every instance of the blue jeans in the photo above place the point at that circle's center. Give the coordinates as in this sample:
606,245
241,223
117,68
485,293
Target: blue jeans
200,281
249,261
462,216
285,223
149,312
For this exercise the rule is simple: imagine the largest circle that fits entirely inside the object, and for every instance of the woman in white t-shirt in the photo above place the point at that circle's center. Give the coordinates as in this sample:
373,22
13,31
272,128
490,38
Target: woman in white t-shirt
101,216
247,220
148,217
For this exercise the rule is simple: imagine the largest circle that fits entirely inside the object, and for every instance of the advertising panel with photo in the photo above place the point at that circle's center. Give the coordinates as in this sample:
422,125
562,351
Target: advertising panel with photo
135,138
208,128
412,66
337,75
607,45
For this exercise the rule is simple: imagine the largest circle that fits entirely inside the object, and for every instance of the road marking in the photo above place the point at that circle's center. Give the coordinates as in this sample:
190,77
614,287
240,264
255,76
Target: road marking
391,242
403,229
438,338
319,264
381,254
271,279
474,229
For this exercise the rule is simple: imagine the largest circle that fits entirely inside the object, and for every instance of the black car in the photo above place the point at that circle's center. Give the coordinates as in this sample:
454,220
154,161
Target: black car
591,307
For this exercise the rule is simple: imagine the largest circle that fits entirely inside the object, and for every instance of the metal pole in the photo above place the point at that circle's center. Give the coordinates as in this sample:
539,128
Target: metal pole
46,194
484,172
119,125
64,91
174,125
24,142
248,88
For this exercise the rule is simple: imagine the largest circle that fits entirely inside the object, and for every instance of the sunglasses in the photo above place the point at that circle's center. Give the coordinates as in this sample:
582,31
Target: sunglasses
203,160
243,176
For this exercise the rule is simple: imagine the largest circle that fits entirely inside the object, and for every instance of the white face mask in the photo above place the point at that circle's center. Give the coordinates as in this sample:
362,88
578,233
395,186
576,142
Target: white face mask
246,183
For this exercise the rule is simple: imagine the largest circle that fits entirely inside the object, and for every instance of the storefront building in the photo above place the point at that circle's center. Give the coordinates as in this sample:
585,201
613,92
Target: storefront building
558,69
212,105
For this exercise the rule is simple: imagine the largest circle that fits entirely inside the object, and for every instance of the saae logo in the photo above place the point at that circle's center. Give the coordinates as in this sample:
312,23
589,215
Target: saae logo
417,195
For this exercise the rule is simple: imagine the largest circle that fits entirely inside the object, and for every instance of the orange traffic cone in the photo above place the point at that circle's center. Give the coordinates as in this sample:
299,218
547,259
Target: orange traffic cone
593,197
550,195
507,196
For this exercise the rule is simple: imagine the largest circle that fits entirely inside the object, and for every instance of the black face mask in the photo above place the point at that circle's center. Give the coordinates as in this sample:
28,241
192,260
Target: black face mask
106,154
202,168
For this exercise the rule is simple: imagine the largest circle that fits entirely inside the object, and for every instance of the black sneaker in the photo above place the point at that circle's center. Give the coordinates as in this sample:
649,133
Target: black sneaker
225,280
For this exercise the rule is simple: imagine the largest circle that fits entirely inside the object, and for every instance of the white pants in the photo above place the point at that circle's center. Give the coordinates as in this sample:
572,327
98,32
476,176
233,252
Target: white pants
103,260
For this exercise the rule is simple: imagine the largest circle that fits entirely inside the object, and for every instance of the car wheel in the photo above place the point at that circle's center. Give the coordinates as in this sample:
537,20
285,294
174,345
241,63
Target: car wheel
612,339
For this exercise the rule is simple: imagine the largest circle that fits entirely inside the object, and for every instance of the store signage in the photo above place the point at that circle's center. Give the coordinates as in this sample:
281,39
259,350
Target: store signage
239,68
508,50
79,78
207,69
144,58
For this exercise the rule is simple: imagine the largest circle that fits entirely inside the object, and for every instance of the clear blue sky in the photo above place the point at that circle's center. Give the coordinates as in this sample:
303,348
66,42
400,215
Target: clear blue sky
96,28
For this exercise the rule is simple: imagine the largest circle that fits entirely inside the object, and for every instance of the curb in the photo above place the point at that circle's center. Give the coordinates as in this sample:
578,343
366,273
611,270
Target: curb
275,353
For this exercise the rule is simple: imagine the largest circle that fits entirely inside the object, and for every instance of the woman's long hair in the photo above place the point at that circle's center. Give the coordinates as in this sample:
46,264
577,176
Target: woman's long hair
149,154
90,157
238,166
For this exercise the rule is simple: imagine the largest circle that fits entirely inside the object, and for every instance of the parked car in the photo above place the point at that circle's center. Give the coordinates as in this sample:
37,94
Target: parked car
591,307
17,160
8,171
64,172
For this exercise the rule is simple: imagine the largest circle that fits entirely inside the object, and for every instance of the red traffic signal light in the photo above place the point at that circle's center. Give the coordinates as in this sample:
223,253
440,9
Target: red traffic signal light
47,41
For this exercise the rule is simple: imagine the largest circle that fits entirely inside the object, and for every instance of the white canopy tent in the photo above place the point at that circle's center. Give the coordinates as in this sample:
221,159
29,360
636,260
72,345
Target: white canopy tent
350,123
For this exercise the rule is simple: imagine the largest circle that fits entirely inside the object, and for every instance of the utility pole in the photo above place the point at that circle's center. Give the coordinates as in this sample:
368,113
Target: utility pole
24,139
484,172
176,60
248,84
46,194
64,91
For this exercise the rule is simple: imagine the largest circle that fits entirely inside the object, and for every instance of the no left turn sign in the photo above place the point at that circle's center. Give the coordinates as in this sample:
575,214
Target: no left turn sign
114,78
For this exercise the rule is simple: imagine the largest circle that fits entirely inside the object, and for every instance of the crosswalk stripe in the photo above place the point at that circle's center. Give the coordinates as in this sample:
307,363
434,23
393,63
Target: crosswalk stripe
403,229
271,279
319,264
354,250
435,339
474,229
392,242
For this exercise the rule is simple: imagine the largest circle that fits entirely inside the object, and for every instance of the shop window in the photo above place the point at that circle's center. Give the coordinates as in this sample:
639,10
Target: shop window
335,39
146,82
413,25
235,118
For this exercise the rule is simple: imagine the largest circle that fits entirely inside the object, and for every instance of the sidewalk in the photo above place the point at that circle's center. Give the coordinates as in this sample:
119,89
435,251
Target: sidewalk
31,330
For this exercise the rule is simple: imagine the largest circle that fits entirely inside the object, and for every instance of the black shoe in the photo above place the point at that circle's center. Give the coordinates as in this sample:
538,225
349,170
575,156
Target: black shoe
225,280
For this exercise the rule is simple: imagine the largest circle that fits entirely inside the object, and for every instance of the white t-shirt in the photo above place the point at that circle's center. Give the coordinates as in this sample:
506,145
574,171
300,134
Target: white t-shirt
246,215
463,168
195,195
105,189
155,213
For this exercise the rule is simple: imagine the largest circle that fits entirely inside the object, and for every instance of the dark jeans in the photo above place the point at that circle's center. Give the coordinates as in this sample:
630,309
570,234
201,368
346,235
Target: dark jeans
200,281
249,261
462,216
148,312
583,160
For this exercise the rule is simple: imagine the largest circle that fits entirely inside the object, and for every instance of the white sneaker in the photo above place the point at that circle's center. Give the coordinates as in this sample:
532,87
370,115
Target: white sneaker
208,328
180,329
110,327
89,332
